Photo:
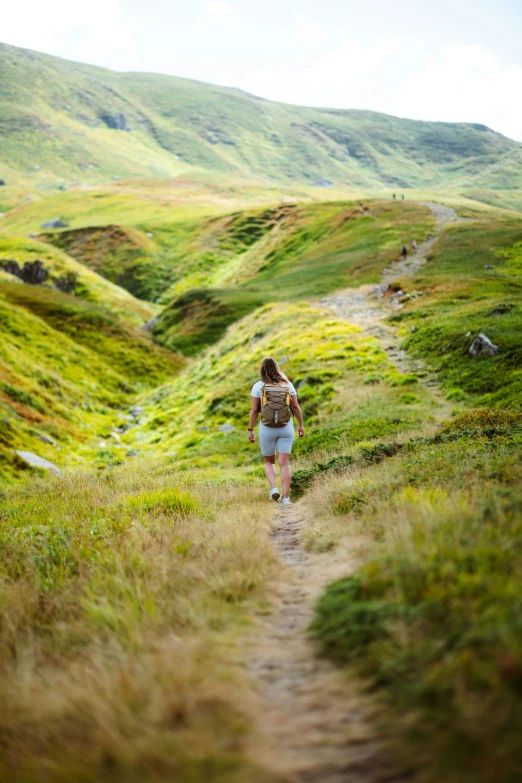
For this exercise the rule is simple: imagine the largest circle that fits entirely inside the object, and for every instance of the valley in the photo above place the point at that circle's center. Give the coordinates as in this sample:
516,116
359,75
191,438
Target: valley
160,620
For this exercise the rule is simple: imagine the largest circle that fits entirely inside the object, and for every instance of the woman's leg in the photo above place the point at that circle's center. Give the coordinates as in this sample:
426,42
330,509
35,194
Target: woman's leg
270,471
286,472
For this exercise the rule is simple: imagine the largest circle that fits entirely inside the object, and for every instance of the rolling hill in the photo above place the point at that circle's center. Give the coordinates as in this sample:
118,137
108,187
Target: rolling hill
64,123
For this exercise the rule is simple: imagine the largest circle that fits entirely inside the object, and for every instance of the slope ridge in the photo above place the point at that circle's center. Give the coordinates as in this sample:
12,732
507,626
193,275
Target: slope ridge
65,121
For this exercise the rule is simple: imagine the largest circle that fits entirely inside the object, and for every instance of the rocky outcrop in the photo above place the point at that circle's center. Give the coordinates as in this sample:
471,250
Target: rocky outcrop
56,223
32,272
38,462
482,346
116,121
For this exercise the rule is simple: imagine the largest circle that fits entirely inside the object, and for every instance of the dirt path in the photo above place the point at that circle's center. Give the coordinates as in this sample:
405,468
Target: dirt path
369,306
315,724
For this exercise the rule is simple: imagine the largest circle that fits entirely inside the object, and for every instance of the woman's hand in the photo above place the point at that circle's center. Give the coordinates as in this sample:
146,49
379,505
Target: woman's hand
251,437
300,431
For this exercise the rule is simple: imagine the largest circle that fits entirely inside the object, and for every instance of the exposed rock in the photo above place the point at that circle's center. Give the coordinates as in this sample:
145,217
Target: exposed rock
283,360
149,326
488,266
67,282
56,223
32,272
501,309
323,183
46,439
226,428
482,346
116,121
38,462
132,453
136,411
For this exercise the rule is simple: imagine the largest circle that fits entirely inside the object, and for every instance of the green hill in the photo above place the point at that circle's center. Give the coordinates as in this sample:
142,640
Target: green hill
67,123
133,586
71,356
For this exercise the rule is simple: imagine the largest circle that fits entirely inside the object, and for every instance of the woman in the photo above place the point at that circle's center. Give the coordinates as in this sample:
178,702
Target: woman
275,437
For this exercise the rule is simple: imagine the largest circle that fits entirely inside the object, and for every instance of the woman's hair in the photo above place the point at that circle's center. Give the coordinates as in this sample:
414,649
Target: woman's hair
270,372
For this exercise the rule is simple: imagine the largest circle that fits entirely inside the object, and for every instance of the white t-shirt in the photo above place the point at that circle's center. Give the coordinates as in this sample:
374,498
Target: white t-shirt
256,389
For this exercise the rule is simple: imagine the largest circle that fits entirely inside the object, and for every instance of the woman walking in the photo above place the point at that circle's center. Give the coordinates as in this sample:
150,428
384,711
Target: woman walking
276,399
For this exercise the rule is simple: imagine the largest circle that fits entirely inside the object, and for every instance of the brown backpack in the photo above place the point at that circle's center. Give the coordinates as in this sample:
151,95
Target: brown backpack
275,405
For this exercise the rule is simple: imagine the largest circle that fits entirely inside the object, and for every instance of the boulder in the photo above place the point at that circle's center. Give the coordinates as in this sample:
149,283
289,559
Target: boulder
38,462
226,428
117,121
56,223
482,346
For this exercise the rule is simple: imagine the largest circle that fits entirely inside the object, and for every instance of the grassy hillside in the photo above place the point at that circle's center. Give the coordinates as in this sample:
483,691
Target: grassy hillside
67,123
68,368
276,255
471,284
62,272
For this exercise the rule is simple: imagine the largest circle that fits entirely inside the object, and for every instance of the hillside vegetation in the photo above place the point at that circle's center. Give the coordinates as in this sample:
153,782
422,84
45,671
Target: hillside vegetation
65,123
131,589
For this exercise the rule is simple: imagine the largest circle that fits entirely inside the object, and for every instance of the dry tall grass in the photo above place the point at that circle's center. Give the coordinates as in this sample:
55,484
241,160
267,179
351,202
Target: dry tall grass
120,596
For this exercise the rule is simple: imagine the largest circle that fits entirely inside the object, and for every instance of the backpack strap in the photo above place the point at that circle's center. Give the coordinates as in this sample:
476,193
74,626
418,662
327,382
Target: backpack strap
263,395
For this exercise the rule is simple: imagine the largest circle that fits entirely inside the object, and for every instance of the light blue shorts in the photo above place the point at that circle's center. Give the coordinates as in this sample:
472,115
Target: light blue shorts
272,438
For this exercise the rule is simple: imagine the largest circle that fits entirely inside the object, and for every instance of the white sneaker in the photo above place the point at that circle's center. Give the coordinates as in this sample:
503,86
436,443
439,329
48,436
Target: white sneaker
274,494
286,501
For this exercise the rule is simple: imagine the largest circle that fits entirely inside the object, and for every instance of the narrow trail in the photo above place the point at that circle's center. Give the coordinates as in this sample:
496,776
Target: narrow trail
368,306
315,724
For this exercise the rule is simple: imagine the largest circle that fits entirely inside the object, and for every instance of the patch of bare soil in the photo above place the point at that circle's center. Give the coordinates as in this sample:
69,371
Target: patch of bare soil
315,724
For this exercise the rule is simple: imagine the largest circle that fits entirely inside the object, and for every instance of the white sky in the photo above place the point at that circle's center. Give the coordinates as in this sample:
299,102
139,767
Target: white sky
437,60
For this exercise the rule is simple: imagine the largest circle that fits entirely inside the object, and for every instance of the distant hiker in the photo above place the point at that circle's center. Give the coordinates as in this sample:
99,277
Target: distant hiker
394,196
402,196
404,251
414,245
276,399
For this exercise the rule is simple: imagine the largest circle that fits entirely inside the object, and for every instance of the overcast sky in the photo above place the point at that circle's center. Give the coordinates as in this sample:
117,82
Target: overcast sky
442,60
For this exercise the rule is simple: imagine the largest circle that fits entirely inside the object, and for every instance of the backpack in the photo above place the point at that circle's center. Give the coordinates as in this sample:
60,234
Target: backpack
275,405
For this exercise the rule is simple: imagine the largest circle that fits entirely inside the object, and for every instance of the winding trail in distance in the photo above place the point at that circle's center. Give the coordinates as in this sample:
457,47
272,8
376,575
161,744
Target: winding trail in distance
314,722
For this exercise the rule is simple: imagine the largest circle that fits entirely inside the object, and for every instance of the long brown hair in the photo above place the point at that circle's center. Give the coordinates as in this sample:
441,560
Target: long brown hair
270,372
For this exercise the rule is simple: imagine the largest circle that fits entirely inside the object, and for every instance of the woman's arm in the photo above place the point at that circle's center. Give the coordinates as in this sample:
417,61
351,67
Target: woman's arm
298,414
254,411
